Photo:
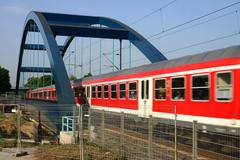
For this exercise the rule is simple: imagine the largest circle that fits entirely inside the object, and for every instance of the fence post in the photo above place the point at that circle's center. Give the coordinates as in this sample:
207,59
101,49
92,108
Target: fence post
63,124
67,123
195,140
150,132
81,131
40,135
175,133
102,128
89,124
122,134
74,123
19,146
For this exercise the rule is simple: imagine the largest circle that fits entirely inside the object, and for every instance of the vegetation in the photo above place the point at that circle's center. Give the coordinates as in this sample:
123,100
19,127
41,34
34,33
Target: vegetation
8,127
5,85
71,151
87,75
72,78
35,82
46,80
13,143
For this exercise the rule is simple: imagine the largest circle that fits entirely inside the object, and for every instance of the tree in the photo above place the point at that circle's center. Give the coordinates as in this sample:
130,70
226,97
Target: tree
4,80
87,75
72,78
35,82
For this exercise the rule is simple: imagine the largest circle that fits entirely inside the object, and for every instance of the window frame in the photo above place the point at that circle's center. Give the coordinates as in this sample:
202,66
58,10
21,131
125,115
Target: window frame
165,79
106,91
209,86
93,91
100,85
111,91
232,81
122,90
88,88
136,90
185,88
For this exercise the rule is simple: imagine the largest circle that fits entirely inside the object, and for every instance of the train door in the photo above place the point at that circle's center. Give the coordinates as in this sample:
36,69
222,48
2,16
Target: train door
145,97
88,94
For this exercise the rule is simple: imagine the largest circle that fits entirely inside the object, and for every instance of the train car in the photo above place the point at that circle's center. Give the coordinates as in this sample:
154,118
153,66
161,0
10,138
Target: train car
202,87
44,93
48,93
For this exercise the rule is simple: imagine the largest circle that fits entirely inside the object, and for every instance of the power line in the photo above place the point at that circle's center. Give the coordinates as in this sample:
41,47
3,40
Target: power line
190,21
180,25
151,13
195,19
203,42
140,19
192,26
172,28
193,45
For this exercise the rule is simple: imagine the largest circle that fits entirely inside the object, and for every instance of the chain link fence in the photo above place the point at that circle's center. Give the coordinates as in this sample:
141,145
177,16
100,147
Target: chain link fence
162,137
79,132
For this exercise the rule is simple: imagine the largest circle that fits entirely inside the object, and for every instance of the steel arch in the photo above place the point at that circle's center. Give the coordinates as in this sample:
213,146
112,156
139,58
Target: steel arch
64,92
52,24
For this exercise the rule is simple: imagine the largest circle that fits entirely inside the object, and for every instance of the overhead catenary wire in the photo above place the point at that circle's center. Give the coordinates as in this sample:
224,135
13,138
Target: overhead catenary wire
189,46
185,47
152,12
195,19
187,22
203,42
195,25
179,25
190,21
137,21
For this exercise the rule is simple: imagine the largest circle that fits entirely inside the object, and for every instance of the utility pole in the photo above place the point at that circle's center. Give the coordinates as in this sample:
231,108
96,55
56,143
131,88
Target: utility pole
120,54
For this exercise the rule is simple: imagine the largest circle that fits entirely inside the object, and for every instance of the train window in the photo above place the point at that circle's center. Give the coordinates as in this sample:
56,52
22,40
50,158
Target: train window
113,91
53,94
76,91
41,94
88,91
160,89
50,94
106,91
99,89
122,91
178,88
83,91
132,90
224,86
200,87
79,92
145,89
93,92
45,94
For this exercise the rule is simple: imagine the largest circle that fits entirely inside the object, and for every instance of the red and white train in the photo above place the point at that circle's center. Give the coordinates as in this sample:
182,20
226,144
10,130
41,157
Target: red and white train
203,87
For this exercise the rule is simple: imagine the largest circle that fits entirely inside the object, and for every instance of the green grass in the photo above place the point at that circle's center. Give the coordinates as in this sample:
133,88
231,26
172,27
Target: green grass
71,151
2,116
13,144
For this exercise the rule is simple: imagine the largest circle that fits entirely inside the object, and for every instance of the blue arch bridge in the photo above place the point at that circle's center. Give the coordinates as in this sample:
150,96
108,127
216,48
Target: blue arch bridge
51,25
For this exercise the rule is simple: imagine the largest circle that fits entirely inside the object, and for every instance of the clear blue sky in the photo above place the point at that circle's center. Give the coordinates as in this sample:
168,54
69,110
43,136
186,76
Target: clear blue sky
14,12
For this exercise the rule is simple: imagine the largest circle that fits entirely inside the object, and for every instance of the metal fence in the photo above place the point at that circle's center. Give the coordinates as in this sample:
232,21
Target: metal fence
134,137
80,132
